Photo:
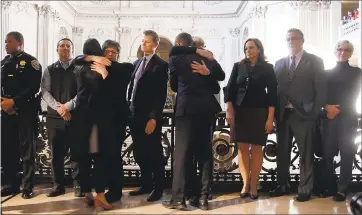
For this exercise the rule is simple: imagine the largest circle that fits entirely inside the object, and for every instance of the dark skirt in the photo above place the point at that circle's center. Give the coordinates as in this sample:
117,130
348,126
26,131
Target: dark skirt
250,125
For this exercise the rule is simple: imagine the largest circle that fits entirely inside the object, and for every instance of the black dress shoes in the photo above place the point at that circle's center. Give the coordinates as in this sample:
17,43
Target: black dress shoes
9,191
139,191
27,194
194,201
171,204
326,193
279,191
57,191
302,197
155,196
78,192
112,196
204,204
339,197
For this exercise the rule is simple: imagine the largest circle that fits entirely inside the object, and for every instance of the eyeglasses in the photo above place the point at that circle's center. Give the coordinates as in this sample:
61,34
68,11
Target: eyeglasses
343,50
292,39
110,51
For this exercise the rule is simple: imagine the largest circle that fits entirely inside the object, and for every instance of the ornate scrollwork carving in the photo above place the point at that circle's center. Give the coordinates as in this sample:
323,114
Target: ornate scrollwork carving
212,2
235,32
48,12
124,31
156,3
63,33
77,30
310,5
5,5
258,12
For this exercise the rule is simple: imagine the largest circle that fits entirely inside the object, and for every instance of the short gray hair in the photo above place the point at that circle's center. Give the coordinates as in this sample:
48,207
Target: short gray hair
345,42
198,42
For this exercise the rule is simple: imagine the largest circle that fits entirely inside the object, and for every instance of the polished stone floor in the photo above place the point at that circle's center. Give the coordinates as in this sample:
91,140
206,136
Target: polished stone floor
228,203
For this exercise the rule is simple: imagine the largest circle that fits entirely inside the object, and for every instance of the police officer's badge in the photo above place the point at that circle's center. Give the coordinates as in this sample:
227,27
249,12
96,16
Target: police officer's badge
22,63
35,64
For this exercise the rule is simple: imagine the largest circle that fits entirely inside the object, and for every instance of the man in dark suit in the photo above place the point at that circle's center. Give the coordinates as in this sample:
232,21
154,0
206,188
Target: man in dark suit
196,107
301,95
147,95
192,183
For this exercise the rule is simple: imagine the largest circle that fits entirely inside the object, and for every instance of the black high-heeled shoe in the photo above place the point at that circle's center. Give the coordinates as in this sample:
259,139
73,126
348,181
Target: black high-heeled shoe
244,195
253,197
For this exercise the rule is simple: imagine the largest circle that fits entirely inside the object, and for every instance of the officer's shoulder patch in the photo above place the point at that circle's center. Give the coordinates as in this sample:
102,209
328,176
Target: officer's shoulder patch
35,64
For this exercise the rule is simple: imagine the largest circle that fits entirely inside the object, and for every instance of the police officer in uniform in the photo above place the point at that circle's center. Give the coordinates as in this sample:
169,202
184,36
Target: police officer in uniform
20,83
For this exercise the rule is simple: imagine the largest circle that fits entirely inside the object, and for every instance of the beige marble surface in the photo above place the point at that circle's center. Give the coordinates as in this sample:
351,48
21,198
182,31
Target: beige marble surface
229,203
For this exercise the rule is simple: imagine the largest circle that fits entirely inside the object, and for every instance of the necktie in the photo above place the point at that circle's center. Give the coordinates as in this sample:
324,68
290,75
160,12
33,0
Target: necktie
139,73
292,69
141,70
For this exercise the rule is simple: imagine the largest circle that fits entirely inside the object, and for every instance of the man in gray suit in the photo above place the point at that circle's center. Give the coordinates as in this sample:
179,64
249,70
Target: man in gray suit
301,95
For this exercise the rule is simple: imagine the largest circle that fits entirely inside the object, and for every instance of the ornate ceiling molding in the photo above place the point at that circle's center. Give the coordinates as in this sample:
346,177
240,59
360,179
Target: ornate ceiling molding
100,2
17,6
180,16
310,5
212,2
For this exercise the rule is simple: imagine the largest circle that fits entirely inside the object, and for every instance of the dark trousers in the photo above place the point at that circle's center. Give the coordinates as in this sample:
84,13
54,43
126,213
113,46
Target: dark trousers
59,139
148,153
303,131
193,138
18,142
339,135
89,177
114,165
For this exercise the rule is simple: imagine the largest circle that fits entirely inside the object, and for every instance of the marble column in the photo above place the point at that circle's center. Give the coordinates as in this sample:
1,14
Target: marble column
314,19
5,7
78,40
43,34
335,20
124,39
258,22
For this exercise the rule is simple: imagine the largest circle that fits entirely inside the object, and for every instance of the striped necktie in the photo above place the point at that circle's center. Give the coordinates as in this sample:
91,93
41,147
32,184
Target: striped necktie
292,69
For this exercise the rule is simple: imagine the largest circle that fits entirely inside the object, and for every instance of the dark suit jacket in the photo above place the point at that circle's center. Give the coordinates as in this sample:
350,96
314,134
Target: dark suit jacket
307,89
194,91
150,94
237,86
179,50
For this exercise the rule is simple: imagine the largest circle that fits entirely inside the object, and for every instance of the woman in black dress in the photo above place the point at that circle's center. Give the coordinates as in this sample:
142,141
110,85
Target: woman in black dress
251,97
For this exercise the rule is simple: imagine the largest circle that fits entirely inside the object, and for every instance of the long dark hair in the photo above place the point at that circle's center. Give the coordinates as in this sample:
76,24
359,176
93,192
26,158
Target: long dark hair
261,57
92,47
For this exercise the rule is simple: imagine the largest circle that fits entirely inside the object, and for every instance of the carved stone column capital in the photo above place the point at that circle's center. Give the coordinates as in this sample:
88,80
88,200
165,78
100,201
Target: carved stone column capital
124,31
310,5
234,32
258,12
5,5
77,30
48,12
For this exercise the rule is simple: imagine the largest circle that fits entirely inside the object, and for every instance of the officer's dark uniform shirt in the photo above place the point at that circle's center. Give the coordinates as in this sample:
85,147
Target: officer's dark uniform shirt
20,80
344,86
